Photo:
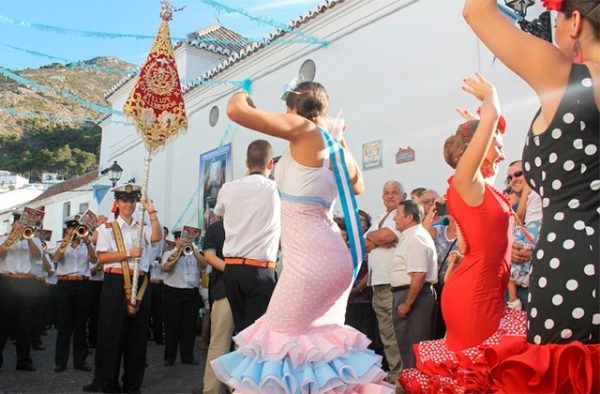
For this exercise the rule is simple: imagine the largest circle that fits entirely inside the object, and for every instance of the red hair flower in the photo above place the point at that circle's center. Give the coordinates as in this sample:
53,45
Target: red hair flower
502,124
553,5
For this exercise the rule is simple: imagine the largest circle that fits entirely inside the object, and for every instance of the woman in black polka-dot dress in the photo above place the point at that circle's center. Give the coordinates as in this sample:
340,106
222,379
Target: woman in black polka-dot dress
562,163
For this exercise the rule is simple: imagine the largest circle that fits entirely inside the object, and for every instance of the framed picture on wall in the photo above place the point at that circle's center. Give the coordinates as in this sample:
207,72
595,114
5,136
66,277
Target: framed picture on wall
215,170
372,155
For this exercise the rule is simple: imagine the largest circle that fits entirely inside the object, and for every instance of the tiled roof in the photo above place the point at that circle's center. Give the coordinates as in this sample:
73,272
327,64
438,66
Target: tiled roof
255,47
232,42
69,184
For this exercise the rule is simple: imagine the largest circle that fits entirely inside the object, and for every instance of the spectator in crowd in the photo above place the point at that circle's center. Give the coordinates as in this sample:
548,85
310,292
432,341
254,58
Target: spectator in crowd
380,241
413,275
444,236
415,195
359,312
529,212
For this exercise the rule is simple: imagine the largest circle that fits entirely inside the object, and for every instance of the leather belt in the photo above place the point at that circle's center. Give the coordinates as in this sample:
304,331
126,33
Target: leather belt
406,287
156,281
19,276
251,262
72,277
119,271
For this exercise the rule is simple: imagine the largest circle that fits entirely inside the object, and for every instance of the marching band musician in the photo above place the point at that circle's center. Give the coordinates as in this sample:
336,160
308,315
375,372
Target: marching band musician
19,252
41,269
122,326
72,257
181,299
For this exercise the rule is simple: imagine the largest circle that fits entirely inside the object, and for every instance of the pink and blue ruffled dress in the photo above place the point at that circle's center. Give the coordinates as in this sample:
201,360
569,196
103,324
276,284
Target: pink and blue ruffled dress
301,344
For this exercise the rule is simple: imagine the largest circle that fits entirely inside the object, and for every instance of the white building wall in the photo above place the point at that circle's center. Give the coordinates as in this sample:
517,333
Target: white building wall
394,67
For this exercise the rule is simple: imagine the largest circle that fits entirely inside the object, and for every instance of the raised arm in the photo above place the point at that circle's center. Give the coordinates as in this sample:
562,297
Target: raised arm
242,111
468,179
520,51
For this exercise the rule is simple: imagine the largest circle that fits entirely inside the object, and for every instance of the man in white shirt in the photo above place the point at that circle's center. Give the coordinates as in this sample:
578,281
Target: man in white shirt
123,328
17,284
73,258
181,300
381,240
413,276
251,211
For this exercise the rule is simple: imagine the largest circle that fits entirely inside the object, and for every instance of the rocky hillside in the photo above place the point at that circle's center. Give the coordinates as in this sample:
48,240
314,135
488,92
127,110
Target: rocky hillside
34,145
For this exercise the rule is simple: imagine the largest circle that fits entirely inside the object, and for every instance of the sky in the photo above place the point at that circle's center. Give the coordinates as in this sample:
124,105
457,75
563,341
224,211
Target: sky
122,16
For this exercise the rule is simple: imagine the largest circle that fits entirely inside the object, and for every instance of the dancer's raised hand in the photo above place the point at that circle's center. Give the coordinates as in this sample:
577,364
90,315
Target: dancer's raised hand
484,91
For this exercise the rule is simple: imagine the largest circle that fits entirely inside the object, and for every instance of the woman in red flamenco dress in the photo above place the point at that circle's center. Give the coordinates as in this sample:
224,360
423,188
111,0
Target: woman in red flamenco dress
472,302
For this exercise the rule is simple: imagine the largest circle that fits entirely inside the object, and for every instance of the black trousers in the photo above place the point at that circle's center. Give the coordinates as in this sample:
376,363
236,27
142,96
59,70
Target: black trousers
39,318
362,317
120,336
248,291
156,313
72,312
95,289
180,308
51,302
16,304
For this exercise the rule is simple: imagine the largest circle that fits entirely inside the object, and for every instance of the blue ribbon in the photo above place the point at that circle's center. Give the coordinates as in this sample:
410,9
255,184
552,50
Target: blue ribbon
265,21
347,200
43,88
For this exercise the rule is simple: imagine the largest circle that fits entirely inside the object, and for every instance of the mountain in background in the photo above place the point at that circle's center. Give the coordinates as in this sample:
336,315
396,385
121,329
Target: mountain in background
31,145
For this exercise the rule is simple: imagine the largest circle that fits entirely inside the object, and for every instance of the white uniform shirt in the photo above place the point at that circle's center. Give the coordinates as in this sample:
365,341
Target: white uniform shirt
156,272
150,254
381,260
75,261
37,268
251,211
17,259
185,273
106,242
533,212
415,253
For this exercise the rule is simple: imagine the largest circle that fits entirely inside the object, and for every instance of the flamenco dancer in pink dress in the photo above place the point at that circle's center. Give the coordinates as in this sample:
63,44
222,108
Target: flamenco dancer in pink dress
301,344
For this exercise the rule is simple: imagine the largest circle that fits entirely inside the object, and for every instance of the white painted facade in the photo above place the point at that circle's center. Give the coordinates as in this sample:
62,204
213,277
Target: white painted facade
394,67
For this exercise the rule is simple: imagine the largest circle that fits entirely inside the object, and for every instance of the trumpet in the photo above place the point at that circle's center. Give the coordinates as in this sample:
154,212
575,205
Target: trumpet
82,231
188,249
28,233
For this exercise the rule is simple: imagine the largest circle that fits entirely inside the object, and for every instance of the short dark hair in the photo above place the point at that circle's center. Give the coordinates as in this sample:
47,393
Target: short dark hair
514,162
414,209
165,231
177,234
367,217
259,154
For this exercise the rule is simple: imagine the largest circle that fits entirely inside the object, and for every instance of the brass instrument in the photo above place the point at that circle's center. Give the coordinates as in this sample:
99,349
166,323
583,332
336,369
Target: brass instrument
66,242
188,249
174,257
28,233
82,231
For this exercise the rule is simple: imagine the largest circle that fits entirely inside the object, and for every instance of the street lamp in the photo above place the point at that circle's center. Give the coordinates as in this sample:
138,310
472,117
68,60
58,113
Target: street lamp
540,27
114,171
519,6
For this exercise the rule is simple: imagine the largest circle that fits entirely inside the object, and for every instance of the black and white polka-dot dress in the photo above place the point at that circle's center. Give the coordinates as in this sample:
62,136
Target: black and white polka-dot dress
563,166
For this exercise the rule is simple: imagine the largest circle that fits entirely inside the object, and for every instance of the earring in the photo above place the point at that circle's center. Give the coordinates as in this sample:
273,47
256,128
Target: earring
578,57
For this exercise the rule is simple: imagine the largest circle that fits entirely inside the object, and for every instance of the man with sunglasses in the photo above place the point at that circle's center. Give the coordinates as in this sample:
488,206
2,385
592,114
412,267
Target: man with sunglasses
123,330
529,209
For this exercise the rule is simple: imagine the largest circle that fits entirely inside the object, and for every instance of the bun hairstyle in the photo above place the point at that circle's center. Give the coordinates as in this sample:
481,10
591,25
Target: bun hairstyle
456,144
309,99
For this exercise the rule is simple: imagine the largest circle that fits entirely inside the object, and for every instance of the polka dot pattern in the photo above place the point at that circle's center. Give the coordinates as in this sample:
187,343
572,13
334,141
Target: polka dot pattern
564,283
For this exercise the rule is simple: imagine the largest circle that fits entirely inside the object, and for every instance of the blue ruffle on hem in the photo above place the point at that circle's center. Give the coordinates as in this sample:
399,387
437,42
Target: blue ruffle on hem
245,374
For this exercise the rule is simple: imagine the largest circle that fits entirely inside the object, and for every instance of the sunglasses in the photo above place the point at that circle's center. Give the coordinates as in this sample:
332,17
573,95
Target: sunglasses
517,174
